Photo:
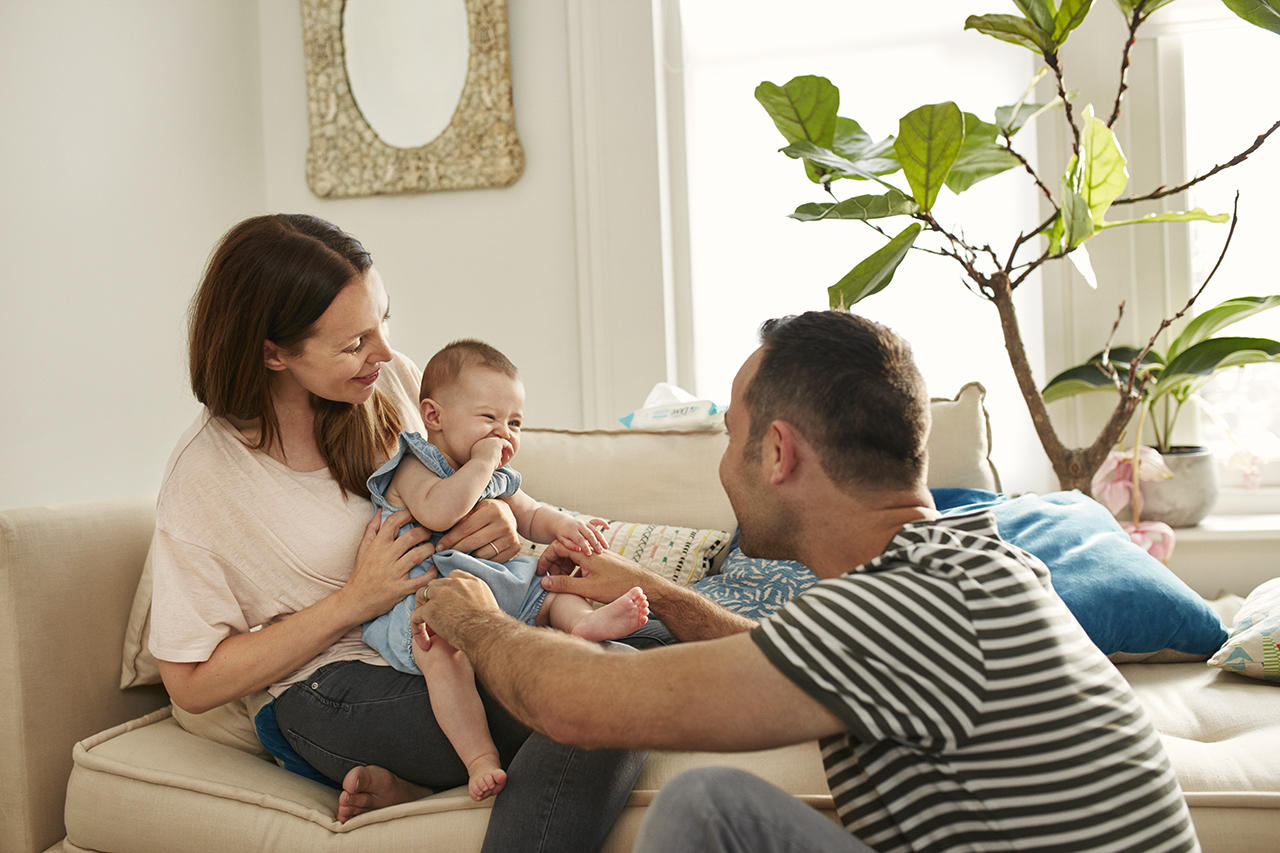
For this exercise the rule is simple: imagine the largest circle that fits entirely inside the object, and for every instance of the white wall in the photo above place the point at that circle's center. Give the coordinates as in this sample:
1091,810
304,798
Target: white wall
136,133
131,137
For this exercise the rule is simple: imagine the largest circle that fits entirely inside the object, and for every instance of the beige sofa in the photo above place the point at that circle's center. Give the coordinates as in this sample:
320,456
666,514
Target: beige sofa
91,766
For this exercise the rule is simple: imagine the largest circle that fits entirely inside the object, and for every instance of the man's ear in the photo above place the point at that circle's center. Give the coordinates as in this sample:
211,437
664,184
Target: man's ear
273,356
430,413
780,451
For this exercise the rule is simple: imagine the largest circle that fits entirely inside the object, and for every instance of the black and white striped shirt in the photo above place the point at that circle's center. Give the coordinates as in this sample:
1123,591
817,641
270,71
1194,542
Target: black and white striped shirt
980,715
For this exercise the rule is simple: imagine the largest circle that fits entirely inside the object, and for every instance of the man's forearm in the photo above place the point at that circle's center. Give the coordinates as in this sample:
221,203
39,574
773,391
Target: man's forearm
691,616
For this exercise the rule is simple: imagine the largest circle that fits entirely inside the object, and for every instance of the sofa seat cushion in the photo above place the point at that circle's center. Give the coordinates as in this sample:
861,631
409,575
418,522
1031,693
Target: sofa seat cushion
149,785
1221,731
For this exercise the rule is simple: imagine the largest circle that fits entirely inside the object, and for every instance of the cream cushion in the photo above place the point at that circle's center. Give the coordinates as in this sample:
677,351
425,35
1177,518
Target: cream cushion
138,783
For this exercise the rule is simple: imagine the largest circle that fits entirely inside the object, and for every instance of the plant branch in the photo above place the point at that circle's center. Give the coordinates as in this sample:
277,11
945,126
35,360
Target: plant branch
1164,324
1135,22
1008,146
1051,59
1234,161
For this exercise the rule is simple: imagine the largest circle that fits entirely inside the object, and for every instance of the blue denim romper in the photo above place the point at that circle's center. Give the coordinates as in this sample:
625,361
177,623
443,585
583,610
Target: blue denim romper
515,584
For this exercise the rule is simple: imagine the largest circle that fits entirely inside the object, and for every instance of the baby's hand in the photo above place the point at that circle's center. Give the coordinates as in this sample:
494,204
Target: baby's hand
583,535
493,450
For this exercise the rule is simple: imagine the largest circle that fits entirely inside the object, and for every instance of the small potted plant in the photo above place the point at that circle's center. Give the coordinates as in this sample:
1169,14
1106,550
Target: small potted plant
1177,486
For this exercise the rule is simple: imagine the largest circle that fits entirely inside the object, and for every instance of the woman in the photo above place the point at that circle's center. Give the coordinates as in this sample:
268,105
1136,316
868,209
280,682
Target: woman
264,514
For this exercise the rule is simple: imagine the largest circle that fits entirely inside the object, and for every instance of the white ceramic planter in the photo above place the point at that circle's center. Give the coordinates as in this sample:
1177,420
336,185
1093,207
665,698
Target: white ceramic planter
1186,499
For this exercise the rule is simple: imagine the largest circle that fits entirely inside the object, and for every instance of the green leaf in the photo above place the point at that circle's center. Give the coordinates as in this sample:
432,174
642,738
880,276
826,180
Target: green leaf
1039,12
830,164
1195,366
1056,234
1090,377
1070,15
1127,6
875,272
854,144
1208,323
1012,29
980,155
1010,122
803,110
1100,174
1197,214
1076,221
929,140
892,203
1260,13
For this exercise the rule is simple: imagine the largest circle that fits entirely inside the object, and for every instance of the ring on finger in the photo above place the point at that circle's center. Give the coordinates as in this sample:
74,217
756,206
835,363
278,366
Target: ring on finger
494,546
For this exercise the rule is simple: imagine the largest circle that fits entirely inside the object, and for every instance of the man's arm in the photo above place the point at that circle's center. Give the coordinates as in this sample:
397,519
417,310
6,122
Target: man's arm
603,577
722,695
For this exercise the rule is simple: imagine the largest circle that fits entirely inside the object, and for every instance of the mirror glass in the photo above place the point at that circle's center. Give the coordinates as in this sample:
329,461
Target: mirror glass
407,64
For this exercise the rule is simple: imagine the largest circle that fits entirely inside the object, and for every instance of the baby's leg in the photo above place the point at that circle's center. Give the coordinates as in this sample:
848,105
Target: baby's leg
451,684
573,614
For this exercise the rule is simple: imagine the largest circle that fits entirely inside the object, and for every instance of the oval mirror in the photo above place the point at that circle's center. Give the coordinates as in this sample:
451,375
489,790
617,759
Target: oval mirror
407,64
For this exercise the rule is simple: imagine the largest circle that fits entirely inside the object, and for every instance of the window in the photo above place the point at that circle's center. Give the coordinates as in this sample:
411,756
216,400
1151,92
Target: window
749,262
1221,121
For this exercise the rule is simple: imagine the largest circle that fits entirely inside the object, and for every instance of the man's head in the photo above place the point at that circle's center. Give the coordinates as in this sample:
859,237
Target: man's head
851,387
846,387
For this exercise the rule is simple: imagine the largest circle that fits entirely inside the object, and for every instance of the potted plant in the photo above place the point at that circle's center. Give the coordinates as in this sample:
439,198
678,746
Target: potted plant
1183,492
940,145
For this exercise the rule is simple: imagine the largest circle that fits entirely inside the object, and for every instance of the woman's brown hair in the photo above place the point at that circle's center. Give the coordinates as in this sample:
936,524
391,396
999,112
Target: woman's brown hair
270,279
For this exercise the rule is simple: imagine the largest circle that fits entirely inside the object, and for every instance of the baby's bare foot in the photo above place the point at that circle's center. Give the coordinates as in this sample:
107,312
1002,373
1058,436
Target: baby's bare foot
618,618
367,788
487,777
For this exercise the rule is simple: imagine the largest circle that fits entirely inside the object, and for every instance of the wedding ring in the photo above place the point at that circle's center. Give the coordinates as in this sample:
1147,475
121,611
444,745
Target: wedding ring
495,548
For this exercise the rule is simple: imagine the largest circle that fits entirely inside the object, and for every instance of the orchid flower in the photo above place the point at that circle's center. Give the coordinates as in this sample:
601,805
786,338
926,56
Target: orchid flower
1113,484
1154,537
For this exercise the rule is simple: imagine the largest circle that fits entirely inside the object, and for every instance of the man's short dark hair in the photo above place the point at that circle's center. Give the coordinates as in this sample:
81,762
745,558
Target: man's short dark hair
851,388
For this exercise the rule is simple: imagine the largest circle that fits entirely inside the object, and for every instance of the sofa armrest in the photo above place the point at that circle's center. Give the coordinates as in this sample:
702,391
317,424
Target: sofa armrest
67,579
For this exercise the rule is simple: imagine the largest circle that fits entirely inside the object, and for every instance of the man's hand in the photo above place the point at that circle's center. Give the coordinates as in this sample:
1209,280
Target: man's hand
601,577
447,603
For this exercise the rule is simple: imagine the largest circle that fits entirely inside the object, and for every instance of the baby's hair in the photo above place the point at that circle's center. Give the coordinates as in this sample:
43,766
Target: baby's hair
446,366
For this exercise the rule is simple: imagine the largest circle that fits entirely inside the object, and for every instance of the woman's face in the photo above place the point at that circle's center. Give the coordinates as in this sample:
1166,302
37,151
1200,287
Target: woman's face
340,362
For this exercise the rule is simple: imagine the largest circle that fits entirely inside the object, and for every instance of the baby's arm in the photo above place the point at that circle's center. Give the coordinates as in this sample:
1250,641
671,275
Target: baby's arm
541,523
436,503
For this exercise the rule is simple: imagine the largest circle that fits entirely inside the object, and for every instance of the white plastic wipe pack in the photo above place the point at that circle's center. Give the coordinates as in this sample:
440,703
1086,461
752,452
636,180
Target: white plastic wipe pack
671,407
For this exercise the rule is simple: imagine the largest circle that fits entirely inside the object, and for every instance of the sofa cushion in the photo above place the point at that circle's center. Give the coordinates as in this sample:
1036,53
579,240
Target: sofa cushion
1126,601
130,782
1251,647
683,555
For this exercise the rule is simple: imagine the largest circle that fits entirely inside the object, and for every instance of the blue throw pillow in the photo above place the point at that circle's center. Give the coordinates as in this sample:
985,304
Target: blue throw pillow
1125,599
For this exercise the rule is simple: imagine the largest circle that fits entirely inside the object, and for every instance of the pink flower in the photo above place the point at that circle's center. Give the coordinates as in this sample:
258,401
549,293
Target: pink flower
1113,484
1154,537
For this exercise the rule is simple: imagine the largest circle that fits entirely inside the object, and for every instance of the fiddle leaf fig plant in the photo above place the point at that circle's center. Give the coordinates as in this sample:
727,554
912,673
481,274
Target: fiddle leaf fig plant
1170,380
940,145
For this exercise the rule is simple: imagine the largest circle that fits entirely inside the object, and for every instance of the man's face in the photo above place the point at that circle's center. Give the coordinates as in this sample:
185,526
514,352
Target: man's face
764,524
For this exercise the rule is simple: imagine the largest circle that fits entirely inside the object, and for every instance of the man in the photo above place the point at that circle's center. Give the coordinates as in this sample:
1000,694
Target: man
959,704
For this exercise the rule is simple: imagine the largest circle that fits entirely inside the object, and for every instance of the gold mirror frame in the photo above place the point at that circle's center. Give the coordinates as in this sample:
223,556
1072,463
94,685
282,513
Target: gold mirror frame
478,148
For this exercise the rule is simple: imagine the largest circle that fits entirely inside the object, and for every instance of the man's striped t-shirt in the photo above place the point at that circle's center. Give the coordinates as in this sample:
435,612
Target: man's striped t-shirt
980,716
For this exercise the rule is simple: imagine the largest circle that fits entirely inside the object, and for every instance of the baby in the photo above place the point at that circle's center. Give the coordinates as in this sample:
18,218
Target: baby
472,401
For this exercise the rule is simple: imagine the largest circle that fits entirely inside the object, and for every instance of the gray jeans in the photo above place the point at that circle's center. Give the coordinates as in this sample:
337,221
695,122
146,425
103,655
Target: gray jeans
721,810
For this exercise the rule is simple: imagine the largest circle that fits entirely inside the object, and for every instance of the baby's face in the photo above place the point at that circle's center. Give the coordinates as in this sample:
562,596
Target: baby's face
482,403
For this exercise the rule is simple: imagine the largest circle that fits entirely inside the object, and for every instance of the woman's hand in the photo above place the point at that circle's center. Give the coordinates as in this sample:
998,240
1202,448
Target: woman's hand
488,532
380,577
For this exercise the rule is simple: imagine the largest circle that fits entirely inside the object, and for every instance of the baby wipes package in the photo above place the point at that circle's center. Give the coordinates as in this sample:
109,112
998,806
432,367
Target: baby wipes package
671,407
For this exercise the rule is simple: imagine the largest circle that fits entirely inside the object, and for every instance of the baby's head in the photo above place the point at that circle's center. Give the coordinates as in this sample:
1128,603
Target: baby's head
470,392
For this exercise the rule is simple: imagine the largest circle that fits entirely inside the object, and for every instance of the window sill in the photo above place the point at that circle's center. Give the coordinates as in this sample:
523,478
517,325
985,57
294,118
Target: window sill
1235,553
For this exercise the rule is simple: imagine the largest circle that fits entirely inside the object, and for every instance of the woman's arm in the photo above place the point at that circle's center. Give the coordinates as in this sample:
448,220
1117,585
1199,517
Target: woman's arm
244,663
